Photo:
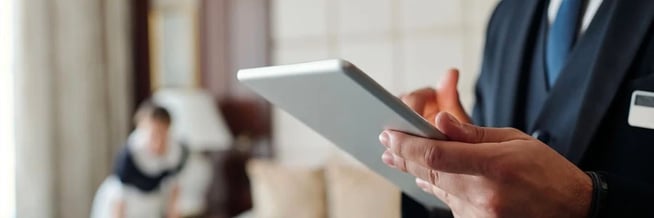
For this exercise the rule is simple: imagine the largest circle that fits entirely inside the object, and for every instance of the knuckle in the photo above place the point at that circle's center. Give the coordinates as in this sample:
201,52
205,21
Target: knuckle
494,204
434,177
497,208
447,198
432,157
409,98
480,134
514,131
500,168
443,195
428,91
397,145
401,164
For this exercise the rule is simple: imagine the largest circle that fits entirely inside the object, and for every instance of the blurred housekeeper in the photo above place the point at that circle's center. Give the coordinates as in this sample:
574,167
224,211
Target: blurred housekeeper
143,183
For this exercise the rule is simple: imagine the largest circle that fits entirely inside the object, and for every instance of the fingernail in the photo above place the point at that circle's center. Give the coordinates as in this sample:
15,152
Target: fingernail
383,138
450,118
387,158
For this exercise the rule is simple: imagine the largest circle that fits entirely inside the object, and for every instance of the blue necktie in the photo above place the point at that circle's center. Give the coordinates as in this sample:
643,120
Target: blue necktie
561,38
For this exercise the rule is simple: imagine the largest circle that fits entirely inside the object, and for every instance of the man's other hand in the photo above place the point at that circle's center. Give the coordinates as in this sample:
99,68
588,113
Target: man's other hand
445,98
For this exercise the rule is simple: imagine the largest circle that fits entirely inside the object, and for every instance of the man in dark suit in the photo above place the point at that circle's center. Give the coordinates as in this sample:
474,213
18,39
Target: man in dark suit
575,81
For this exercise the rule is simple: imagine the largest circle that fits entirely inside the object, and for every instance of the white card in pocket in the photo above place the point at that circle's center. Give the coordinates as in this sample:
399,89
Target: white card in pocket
641,112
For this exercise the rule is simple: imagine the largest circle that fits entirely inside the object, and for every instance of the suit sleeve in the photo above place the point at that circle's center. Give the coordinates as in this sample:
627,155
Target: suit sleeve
479,109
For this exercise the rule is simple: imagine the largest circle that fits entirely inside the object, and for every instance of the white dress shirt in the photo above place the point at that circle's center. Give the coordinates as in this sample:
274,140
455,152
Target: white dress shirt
589,12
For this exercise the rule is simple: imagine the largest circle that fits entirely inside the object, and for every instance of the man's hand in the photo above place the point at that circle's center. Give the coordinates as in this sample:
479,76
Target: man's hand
490,172
445,98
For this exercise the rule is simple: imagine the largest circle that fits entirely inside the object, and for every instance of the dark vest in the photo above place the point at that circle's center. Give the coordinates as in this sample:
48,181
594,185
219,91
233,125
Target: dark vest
536,92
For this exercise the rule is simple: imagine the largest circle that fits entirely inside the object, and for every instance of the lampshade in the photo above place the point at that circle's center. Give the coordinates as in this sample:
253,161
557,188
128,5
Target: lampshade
196,120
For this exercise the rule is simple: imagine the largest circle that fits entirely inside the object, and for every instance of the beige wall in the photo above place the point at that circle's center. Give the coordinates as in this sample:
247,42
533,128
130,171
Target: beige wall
403,44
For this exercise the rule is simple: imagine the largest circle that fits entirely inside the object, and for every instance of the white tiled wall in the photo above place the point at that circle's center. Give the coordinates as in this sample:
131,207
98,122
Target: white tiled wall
374,56
429,14
403,44
425,57
362,17
291,14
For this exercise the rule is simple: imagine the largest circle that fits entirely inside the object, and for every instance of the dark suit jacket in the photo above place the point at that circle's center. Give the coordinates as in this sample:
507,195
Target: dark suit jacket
583,118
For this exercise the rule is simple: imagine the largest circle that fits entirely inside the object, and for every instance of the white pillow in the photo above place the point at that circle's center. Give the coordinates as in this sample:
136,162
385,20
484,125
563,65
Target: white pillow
285,192
355,191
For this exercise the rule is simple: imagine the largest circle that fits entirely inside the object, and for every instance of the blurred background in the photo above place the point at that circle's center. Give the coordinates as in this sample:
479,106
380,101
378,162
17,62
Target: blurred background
72,73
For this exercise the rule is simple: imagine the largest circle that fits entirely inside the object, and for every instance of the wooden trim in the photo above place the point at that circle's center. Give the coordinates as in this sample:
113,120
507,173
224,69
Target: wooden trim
140,52
214,37
154,40
159,12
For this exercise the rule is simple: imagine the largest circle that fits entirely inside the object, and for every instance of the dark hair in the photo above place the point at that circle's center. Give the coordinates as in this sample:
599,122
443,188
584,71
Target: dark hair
149,109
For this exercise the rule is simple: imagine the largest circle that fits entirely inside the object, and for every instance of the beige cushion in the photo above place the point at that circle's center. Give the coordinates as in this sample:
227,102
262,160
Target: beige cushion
286,192
355,191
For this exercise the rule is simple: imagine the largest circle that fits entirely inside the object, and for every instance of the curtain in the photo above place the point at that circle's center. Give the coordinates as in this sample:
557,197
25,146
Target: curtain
72,102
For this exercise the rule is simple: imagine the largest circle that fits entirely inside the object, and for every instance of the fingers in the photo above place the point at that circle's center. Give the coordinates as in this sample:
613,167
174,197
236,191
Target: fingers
439,179
452,201
468,133
446,156
428,102
449,81
449,96
439,193
435,190
418,99
417,170
424,185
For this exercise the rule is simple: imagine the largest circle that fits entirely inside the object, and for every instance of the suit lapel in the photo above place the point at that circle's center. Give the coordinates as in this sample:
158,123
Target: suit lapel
627,28
518,44
619,40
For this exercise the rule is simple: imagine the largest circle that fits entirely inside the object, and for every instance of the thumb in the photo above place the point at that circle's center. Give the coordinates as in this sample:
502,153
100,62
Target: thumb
468,133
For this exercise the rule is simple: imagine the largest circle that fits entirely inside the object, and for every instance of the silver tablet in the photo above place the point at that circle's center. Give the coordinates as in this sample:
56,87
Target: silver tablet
343,104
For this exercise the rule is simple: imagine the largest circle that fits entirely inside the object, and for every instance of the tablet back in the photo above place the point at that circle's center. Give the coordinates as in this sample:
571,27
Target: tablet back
347,107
